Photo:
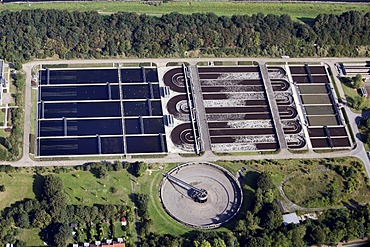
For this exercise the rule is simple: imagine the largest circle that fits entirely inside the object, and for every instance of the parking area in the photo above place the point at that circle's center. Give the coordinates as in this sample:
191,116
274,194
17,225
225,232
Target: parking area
99,112
322,116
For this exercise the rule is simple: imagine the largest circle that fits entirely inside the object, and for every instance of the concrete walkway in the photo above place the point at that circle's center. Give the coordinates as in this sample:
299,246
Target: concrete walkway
273,107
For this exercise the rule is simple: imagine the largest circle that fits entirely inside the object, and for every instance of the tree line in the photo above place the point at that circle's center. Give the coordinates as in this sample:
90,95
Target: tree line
11,146
29,34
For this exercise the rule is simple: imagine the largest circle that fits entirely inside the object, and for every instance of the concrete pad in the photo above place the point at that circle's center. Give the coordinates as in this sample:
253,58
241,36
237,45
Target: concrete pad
224,195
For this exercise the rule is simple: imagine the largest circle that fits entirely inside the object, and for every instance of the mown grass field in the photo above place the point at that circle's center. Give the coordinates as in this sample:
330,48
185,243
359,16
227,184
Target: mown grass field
83,188
33,110
18,186
295,10
350,93
30,236
2,117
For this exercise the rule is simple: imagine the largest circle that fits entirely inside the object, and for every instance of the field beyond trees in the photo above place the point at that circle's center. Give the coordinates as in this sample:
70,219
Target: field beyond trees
301,11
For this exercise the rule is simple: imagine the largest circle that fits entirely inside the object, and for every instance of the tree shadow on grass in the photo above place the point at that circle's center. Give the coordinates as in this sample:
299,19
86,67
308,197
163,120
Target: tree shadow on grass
249,184
38,184
250,179
2,141
307,20
346,81
350,101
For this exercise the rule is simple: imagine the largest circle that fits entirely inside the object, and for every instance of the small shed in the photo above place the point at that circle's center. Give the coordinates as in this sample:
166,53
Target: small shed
290,219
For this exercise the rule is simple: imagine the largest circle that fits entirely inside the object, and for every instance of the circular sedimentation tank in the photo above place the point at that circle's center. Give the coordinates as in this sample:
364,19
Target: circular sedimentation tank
224,195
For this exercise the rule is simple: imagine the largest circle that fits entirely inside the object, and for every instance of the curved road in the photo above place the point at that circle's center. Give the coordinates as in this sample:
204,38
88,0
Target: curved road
358,151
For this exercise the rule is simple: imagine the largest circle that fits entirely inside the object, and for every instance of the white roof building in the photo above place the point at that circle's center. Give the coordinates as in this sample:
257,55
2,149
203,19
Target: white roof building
290,219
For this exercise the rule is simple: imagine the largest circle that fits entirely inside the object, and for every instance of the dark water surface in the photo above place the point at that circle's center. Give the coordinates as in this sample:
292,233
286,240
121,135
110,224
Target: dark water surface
141,98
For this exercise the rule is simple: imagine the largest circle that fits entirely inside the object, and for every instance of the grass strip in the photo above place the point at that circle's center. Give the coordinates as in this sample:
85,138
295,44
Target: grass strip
299,11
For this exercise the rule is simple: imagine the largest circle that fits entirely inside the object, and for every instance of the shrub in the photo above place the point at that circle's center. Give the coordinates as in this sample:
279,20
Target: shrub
113,189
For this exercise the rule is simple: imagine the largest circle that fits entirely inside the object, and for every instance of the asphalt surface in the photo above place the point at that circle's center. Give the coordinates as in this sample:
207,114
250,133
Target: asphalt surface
358,151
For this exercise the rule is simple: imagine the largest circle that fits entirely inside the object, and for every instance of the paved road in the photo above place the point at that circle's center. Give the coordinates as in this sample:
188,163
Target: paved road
358,151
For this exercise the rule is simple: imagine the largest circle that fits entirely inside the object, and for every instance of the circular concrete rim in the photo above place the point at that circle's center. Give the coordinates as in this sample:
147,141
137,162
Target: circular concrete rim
238,194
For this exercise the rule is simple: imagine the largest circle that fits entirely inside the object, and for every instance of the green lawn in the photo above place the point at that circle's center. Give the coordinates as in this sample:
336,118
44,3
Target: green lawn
84,188
30,236
296,10
349,91
230,165
87,65
350,95
310,189
33,120
277,169
2,117
33,110
18,186
119,230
